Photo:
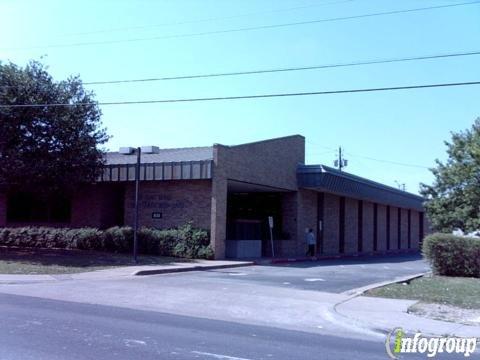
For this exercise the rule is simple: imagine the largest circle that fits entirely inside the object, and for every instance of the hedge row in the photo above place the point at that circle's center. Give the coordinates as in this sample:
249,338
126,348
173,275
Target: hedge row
452,255
185,241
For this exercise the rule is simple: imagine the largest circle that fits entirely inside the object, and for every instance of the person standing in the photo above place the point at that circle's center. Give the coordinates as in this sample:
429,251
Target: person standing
310,240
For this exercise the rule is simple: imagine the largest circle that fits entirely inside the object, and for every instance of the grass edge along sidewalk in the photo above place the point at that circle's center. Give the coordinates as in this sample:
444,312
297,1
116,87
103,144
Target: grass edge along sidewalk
32,261
455,291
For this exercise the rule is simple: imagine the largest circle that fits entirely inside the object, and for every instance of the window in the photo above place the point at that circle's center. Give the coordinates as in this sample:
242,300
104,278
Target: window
30,207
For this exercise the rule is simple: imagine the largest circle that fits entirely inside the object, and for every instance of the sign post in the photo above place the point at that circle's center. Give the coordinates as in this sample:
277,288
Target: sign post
270,225
135,228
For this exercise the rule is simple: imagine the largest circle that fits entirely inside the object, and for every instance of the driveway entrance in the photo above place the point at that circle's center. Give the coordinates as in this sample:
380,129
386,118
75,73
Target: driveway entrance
334,276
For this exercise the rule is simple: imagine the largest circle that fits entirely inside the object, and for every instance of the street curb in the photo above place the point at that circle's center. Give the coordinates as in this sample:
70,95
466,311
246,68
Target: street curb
189,268
353,293
337,257
359,291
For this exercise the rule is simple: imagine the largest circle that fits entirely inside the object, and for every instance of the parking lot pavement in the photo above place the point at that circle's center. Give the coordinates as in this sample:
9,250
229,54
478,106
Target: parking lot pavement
334,276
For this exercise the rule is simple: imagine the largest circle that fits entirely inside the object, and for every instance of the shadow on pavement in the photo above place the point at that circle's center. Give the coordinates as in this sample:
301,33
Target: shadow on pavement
383,259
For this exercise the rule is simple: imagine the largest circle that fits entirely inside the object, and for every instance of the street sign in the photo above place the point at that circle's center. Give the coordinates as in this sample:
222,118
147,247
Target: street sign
270,225
270,221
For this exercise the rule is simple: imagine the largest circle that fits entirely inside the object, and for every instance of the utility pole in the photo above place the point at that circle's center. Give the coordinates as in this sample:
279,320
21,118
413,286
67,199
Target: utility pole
340,163
401,186
137,185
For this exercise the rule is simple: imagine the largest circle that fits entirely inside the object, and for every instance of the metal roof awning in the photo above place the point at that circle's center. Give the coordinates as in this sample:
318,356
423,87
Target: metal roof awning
183,170
324,178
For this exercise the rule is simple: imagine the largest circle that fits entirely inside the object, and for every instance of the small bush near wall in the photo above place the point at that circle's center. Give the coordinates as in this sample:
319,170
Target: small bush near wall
185,241
452,255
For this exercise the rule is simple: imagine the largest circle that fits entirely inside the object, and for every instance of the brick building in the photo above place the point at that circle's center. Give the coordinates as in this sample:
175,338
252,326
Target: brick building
232,190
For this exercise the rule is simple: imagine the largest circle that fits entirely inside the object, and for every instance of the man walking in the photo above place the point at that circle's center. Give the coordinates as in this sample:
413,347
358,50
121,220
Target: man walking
310,240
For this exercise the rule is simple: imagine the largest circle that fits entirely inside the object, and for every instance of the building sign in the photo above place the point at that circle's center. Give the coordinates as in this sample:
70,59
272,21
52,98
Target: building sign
158,201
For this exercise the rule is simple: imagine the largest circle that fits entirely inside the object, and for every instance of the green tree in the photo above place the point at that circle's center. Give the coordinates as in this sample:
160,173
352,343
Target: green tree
47,148
453,200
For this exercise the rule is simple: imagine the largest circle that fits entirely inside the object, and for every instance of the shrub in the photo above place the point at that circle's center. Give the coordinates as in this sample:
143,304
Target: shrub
118,239
452,255
185,241
190,241
149,241
87,239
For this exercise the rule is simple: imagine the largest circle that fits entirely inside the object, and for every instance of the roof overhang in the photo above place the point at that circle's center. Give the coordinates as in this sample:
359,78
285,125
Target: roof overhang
324,178
235,186
183,170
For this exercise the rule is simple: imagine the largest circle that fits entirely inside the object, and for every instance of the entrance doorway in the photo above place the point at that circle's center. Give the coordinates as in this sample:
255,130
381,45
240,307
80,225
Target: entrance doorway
247,219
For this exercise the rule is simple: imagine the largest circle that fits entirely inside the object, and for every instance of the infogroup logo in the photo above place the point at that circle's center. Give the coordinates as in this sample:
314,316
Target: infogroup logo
431,346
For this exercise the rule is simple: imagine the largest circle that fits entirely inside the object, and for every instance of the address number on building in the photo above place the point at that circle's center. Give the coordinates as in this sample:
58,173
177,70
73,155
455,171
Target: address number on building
156,215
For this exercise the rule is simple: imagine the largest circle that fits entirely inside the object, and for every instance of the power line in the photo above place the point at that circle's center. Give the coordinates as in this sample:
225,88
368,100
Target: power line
263,27
275,70
208,19
220,98
316,153
390,162
333,150
301,68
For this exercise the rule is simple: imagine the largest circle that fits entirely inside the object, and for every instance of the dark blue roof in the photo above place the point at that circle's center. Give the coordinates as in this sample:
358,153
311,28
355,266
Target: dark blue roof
324,178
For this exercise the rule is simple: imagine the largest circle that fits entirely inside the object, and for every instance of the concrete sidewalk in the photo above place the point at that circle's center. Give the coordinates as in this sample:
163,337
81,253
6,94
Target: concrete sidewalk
383,315
126,271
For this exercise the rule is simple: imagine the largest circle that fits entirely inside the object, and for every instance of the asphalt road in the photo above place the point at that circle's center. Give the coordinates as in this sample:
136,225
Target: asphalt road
252,313
33,328
334,276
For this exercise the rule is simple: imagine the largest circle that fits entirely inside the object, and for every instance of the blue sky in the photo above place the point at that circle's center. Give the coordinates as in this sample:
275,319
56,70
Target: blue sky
403,126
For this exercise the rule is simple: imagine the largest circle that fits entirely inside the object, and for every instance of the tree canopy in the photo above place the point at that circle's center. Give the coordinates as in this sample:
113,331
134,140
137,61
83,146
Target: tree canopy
47,148
453,200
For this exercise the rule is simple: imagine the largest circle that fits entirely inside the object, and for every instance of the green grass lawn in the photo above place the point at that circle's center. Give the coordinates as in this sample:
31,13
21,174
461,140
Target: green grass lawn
456,291
57,261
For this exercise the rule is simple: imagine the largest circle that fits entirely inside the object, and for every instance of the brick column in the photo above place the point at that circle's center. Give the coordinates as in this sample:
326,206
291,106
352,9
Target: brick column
331,224
218,227
290,247
415,230
351,226
404,229
393,228
381,227
367,227
219,217
306,217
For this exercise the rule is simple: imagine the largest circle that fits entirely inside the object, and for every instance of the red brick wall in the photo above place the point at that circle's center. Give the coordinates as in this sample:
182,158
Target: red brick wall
393,228
3,209
95,206
306,217
404,229
331,210
381,227
415,229
178,202
367,226
270,162
290,247
351,226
